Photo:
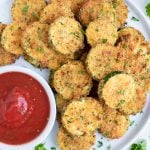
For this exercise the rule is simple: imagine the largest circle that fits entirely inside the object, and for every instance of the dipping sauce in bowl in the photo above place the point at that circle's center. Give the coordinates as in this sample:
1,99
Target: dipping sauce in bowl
24,108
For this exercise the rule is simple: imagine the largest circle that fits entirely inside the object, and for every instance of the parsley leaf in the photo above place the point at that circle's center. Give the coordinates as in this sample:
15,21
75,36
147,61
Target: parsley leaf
147,8
135,19
104,41
40,147
139,146
100,144
25,9
53,148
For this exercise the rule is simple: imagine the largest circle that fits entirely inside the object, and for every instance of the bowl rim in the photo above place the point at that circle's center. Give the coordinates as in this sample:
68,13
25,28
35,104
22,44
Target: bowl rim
44,134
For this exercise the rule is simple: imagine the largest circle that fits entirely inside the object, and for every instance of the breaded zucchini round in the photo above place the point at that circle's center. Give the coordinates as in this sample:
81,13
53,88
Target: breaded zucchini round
130,38
102,60
114,125
83,116
5,57
69,142
27,11
101,31
35,44
61,103
34,62
119,90
136,105
54,11
72,80
11,38
74,4
65,35
94,9
121,11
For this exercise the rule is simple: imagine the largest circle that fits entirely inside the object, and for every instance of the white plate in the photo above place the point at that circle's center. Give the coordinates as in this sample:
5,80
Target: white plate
141,119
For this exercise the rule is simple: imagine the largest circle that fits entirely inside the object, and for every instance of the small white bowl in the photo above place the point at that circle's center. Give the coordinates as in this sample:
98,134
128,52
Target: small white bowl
30,145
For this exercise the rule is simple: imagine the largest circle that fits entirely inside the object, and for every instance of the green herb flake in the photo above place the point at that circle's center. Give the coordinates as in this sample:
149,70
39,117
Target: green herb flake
104,41
122,101
132,122
53,148
25,9
121,92
40,147
147,8
34,15
96,30
81,72
100,144
108,147
40,49
75,34
134,18
139,146
115,3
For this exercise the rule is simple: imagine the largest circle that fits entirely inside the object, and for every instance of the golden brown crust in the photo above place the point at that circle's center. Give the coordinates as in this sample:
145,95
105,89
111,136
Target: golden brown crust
101,32
69,142
121,12
119,90
35,44
66,38
114,125
96,9
83,116
136,105
72,80
27,11
54,11
11,38
102,60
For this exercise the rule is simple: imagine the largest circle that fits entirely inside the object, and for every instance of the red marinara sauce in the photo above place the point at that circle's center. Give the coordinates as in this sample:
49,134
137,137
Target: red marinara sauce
24,108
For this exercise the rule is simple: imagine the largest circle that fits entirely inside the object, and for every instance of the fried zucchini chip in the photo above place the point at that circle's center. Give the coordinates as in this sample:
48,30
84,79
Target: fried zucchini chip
27,11
83,116
114,125
74,4
5,57
121,11
136,105
130,38
65,35
69,142
72,80
11,38
54,11
119,90
35,44
96,9
101,31
102,60
61,103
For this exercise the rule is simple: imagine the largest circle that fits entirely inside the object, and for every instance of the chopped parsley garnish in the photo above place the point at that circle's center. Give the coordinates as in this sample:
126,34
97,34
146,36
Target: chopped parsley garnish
96,30
76,34
25,9
40,49
134,18
132,122
34,15
115,3
53,148
147,8
104,41
108,147
106,78
139,146
122,101
40,147
100,144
